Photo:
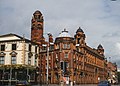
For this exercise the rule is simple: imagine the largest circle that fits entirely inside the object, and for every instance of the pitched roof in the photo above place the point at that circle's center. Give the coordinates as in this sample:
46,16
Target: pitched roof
13,37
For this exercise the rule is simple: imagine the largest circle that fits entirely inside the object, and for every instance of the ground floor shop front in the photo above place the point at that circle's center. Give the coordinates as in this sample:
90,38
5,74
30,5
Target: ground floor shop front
12,74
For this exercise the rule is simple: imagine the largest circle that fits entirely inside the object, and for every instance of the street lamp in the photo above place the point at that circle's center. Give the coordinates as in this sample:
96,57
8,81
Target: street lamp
47,72
3,76
47,62
48,58
10,75
28,75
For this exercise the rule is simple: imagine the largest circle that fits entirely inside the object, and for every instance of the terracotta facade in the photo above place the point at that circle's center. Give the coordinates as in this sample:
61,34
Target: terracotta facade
112,73
70,59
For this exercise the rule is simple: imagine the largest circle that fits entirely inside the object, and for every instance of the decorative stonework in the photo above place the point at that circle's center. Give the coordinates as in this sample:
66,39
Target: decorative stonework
2,54
13,53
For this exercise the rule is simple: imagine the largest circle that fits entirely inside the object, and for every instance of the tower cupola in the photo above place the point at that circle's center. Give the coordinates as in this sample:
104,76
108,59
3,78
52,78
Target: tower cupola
38,16
100,49
79,30
80,37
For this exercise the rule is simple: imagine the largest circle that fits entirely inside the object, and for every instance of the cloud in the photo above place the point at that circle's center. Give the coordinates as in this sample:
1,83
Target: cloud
112,34
118,47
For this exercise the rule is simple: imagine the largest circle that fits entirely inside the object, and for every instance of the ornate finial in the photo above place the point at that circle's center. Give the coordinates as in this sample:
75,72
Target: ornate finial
100,46
79,30
65,30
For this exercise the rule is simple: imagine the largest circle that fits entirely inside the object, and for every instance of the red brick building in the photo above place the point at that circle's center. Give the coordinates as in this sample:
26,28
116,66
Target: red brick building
70,59
112,73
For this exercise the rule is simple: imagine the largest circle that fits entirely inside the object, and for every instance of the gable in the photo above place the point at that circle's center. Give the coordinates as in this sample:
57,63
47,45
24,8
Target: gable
9,37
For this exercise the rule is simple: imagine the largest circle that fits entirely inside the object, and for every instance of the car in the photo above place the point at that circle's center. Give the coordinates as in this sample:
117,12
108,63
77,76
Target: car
104,83
23,83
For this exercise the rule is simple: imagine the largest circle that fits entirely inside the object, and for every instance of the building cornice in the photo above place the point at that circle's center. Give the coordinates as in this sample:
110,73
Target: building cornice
94,52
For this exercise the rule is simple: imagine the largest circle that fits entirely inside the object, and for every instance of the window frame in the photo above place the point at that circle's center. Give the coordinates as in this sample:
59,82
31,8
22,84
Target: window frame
2,60
66,55
13,60
14,46
29,60
2,47
66,46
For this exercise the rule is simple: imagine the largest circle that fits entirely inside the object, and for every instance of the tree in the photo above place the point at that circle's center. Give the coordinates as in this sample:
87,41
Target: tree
118,74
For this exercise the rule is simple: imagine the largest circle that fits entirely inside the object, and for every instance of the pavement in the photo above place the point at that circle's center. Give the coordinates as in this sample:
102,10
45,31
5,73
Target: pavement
73,85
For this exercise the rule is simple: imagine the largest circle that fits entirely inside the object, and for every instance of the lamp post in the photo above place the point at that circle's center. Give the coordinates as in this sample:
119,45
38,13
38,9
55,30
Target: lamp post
47,61
10,75
48,58
71,83
3,76
28,74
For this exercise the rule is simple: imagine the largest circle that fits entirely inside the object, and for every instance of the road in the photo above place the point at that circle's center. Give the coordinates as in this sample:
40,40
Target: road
65,85
74,85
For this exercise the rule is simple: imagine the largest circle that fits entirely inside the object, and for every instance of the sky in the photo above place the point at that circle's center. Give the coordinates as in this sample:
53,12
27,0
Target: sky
99,19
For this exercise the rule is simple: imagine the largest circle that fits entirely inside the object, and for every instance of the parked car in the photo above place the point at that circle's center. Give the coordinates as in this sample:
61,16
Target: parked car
23,83
104,83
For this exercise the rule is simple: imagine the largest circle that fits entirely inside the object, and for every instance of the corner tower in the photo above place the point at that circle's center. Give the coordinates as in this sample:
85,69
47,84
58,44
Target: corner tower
37,27
80,37
100,49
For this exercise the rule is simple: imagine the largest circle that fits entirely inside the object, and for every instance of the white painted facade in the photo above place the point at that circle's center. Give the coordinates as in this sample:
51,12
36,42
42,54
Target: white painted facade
21,53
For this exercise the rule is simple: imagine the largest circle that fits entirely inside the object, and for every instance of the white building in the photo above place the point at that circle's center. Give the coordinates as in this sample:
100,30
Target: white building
16,52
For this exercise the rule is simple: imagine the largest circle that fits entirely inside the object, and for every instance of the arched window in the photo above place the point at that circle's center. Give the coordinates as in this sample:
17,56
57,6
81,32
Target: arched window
13,57
2,58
